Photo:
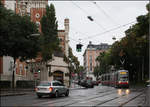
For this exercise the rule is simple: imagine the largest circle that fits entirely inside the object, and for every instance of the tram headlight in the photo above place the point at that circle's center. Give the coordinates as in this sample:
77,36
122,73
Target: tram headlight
119,91
119,82
127,81
127,91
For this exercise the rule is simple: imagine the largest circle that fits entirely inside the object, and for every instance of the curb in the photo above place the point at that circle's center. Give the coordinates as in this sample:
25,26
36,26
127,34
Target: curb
12,94
16,94
75,88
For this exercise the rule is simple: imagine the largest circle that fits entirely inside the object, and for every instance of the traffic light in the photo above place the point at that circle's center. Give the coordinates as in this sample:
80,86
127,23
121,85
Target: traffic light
78,47
39,70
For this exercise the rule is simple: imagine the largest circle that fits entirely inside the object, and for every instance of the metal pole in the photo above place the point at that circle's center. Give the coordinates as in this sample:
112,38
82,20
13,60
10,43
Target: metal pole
142,68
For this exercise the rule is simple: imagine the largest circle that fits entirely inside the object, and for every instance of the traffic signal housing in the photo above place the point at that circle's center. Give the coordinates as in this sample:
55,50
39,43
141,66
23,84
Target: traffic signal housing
39,70
79,47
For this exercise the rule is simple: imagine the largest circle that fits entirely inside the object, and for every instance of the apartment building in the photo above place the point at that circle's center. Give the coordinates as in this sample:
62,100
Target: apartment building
91,53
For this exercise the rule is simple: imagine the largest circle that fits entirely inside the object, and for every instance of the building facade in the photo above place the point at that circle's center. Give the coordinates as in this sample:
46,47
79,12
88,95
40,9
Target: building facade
34,8
91,53
55,69
58,68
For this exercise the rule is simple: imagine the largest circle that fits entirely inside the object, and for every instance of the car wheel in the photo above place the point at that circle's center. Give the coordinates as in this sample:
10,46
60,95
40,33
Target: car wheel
67,93
56,94
39,96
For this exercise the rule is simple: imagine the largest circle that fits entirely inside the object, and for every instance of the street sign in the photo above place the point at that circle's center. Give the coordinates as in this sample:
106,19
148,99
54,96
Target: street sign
122,61
35,74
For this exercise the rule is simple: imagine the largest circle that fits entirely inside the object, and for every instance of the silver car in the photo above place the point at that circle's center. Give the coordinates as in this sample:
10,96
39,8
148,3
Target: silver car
55,88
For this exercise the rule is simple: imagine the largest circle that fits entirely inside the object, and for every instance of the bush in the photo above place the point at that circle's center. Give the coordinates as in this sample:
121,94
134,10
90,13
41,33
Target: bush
5,84
25,84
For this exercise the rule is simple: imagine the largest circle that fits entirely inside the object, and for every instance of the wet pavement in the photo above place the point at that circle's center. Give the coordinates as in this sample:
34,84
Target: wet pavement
97,96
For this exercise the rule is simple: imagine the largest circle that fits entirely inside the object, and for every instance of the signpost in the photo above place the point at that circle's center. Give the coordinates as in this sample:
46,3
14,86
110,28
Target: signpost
35,74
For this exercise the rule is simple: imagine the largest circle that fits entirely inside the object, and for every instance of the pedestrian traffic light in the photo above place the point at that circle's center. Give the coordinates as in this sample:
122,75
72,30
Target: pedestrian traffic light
39,70
78,47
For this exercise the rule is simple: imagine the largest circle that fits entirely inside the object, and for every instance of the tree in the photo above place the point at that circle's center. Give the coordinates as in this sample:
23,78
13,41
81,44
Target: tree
15,39
133,48
97,72
50,41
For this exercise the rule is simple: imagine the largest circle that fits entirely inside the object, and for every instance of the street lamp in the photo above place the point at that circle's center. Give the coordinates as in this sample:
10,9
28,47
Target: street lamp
114,38
90,18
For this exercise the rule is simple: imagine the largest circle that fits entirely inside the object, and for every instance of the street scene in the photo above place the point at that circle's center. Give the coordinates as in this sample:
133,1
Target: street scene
74,53
97,96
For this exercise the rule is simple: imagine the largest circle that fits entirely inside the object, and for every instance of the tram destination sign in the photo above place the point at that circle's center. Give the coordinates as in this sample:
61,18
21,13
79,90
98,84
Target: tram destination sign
123,73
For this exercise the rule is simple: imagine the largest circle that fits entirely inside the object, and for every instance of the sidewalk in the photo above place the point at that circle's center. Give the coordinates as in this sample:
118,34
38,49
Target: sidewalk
10,92
16,92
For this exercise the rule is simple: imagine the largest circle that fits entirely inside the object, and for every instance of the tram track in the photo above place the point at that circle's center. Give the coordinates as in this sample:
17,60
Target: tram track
73,98
76,99
122,104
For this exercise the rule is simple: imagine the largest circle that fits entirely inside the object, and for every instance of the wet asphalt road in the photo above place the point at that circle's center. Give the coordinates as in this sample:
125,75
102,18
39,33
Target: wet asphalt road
97,96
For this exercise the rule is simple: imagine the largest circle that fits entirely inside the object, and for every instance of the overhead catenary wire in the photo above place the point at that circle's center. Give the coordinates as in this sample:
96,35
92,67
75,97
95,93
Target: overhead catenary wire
104,12
88,15
89,37
75,30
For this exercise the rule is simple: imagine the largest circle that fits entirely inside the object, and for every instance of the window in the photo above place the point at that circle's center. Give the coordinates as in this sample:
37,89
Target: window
38,24
55,84
90,66
59,84
90,58
45,84
60,39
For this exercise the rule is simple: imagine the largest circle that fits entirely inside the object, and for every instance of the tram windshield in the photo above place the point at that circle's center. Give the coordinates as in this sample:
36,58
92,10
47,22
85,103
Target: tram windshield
124,79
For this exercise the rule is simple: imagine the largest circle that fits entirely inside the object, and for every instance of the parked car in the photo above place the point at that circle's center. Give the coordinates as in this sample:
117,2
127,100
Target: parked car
95,83
50,88
86,83
89,84
99,81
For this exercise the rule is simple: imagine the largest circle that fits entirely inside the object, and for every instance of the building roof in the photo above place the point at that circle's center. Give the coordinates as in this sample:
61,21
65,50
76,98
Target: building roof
101,46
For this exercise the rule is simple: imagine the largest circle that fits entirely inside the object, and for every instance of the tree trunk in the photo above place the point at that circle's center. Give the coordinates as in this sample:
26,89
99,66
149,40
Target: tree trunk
13,75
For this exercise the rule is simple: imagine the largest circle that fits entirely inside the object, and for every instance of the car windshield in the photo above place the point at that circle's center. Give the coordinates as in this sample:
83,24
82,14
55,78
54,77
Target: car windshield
45,84
89,81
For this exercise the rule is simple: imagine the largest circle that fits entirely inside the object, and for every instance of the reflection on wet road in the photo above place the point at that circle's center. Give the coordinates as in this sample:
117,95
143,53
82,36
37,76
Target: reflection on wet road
97,96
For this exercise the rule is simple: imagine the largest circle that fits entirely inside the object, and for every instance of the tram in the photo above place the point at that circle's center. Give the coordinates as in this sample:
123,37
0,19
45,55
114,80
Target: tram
118,79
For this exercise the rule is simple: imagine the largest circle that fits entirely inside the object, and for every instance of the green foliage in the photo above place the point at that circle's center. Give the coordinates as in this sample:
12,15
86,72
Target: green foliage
50,41
105,61
74,63
15,39
133,48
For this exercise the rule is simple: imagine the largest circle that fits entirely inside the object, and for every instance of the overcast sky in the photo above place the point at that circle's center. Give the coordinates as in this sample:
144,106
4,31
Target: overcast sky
106,14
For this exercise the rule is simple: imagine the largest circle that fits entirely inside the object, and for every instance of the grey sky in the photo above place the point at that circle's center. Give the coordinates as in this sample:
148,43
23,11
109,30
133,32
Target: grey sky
106,15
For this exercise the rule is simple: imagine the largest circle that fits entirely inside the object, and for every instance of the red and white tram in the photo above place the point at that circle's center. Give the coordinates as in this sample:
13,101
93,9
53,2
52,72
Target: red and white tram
116,79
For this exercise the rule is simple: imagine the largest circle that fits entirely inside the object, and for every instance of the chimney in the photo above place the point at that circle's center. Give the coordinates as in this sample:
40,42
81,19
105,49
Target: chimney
66,24
90,42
